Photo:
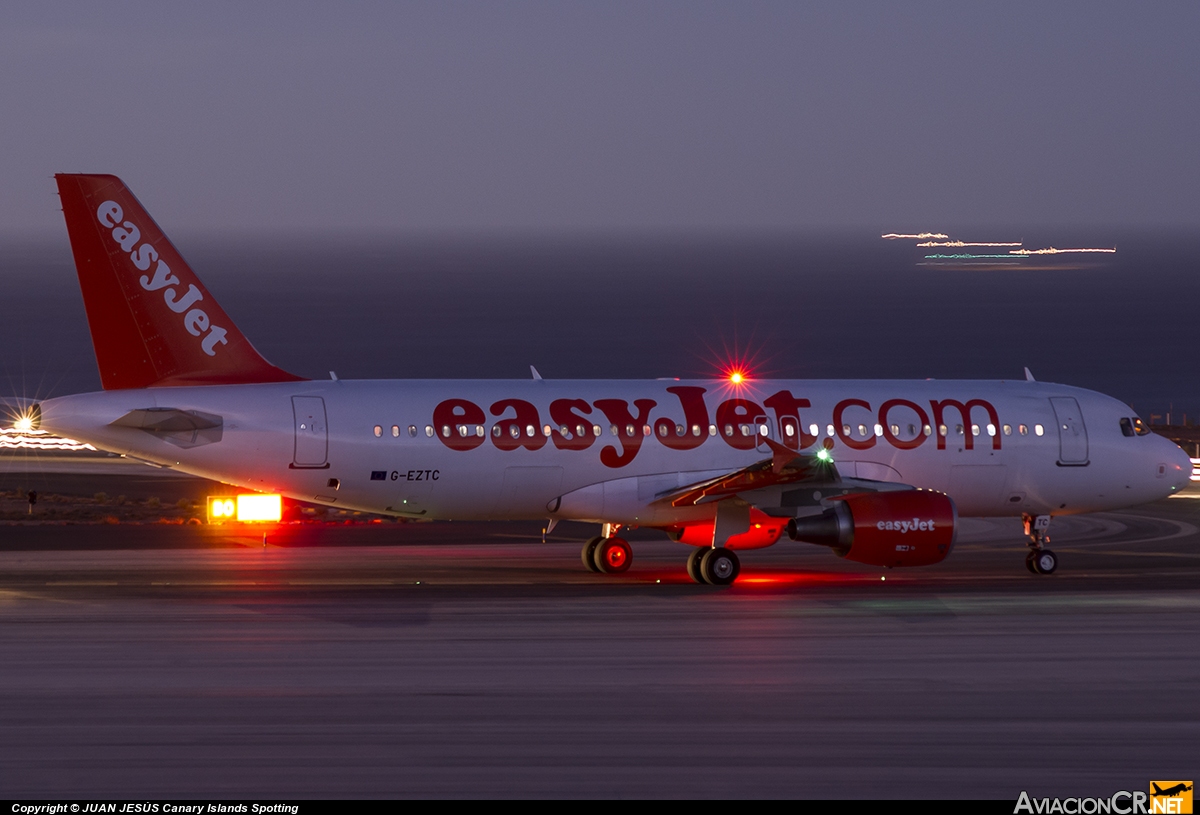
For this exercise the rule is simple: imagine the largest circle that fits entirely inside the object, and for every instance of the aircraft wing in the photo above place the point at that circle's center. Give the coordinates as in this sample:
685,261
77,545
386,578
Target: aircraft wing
785,466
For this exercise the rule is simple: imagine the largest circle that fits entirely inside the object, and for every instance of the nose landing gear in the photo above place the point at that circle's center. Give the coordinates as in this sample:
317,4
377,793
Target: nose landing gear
607,554
1040,560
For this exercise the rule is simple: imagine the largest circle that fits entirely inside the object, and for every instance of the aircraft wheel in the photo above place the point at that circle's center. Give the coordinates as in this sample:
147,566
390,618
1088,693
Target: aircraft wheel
1029,562
720,566
613,556
1046,562
589,554
693,565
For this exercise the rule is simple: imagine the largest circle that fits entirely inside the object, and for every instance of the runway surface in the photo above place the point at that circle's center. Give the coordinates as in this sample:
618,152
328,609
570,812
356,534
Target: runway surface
466,659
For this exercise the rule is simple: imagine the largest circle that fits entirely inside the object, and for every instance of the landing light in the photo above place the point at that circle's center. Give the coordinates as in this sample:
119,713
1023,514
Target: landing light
823,455
251,508
23,424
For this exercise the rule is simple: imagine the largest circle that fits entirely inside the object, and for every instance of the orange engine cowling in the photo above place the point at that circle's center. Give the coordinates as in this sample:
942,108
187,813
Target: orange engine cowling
764,531
901,528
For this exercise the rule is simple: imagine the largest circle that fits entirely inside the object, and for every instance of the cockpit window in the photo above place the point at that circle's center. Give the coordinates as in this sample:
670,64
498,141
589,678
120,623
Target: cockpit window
1127,427
1140,427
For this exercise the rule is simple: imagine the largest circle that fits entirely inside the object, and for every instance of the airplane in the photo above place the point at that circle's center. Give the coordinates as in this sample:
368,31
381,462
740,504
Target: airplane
1170,792
878,471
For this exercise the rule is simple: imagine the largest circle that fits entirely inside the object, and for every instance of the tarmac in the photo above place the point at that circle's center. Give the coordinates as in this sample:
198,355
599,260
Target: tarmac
424,660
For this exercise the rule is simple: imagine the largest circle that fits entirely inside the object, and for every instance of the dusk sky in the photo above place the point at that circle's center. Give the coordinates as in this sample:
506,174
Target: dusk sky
606,117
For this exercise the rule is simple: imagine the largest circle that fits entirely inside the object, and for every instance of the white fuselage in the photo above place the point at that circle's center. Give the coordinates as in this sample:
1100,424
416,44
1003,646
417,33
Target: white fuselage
513,449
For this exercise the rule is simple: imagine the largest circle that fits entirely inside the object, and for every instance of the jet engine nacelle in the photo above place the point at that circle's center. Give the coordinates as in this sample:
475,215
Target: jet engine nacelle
895,528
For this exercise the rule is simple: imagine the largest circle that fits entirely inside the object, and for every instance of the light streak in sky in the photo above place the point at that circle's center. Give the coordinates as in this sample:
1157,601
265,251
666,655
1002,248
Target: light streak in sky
960,244
965,256
1053,251
924,236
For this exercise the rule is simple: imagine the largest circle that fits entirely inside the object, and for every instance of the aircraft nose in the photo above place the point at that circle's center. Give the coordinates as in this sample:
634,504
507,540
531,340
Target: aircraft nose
1178,468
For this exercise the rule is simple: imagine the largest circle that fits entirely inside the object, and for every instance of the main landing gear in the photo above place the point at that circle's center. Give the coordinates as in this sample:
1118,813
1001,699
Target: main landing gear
717,566
609,555
1040,560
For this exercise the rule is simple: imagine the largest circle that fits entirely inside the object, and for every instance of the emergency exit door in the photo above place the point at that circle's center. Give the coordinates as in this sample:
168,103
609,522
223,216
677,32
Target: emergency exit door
312,433
1072,434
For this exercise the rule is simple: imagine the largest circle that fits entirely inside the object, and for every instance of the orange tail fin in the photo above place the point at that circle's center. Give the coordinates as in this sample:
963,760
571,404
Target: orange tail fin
153,323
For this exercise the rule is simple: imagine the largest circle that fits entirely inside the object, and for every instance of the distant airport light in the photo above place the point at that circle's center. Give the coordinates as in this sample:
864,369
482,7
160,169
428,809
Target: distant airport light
252,508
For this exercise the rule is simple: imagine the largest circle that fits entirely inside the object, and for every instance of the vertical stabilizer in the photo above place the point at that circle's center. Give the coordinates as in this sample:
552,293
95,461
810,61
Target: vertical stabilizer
153,322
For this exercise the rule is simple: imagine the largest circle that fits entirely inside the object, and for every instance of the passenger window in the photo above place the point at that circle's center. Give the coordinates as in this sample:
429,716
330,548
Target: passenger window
896,429
445,431
814,430
942,430
729,430
1008,430
845,430
1023,430
1140,427
1038,429
712,430
629,430
991,429
958,429
395,431
829,431
928,431
412,430
695,430
878,430
1126,427
378,431
429,431
662,430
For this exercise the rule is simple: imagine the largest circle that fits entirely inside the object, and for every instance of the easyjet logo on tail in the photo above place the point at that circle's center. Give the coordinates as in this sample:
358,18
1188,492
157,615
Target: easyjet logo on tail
195,320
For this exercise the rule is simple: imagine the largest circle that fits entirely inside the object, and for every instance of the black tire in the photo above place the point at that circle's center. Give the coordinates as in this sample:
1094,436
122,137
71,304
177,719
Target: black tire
1046,562
588,555
693,565
613,556
720,566
1029,562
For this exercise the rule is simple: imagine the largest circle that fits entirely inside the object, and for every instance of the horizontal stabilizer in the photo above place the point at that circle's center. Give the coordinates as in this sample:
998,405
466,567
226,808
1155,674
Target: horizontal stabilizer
182,428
